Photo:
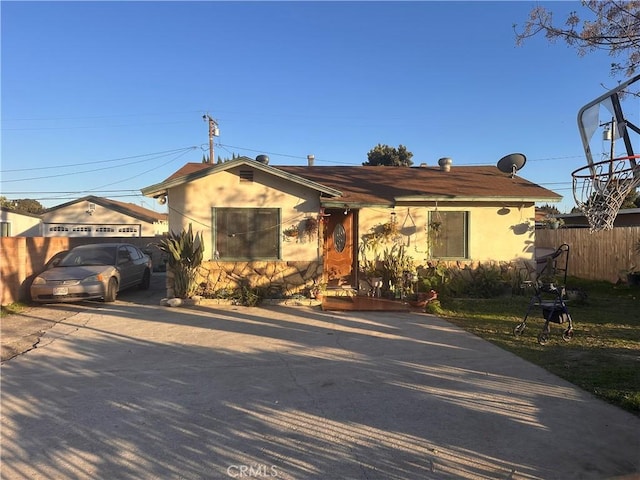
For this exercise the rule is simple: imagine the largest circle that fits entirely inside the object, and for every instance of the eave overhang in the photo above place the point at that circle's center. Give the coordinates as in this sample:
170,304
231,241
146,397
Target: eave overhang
472,198
160,189
417,200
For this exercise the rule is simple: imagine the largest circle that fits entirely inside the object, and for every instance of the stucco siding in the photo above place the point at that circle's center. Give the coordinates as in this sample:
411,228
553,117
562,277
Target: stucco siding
193,202
21,225
502,233
93,215
495,233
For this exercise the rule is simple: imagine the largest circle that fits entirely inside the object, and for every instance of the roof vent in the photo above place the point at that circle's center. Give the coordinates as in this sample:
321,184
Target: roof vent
263,159
445,164
310,159
422,165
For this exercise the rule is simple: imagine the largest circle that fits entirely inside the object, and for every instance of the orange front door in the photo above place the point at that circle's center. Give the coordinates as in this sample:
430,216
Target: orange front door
339,250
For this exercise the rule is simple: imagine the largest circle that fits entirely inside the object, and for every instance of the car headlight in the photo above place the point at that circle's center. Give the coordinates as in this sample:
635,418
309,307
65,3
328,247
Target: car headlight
93,279
39,281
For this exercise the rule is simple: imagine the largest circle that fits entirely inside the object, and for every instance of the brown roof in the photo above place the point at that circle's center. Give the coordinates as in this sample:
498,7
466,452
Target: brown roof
372,184
385,185
190,168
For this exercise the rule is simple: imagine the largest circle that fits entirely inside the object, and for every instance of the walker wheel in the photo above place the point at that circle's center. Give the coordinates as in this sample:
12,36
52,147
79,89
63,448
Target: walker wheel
518,329
567,335
543,338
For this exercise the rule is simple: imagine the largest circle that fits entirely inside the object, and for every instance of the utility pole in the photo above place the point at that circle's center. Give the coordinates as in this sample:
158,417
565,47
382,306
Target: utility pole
213,132
610,135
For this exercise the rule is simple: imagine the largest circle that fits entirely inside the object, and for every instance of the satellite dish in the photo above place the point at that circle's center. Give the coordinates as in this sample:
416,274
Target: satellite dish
512,163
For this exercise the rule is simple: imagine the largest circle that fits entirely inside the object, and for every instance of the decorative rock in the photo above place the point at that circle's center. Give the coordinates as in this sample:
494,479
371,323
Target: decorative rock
174,302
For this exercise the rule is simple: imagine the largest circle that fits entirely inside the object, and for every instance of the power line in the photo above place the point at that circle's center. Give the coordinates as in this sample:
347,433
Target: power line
162,153
139,195
183,152
97,117
142,173
65,192
7,121
93,190
262,151
86,127
304,157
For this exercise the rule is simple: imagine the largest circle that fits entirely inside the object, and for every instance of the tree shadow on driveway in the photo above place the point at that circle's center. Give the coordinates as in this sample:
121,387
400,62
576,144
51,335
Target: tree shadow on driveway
141,391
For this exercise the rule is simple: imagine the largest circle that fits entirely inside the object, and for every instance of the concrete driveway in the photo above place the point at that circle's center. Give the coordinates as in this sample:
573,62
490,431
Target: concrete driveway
133,390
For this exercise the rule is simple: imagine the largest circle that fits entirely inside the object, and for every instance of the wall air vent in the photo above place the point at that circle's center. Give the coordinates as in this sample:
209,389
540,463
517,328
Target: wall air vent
246,175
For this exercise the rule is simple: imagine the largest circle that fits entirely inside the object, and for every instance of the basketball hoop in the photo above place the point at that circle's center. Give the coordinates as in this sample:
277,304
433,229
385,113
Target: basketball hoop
599,189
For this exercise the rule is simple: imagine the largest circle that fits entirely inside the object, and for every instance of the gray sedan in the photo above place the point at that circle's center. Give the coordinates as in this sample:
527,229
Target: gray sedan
93,271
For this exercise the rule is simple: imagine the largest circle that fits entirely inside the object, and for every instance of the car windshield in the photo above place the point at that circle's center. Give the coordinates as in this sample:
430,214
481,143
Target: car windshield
98,255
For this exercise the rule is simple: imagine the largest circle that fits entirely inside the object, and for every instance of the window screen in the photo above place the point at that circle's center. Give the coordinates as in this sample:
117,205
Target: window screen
452,238
247,233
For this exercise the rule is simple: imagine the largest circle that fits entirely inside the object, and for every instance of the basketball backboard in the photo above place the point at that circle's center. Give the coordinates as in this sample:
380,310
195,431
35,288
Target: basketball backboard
600,187
606,113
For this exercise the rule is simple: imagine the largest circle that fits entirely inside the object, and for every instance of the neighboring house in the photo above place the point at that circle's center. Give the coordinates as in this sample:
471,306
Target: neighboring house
627,217
246,209
19,224
92,216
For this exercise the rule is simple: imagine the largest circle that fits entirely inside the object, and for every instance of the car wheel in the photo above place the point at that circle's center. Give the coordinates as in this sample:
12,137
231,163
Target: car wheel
112,290
146,280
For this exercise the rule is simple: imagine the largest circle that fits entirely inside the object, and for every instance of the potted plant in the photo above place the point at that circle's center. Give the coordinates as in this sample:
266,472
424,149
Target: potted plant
318,290
291,232
310,226
389,230
434,232
435,226
394,266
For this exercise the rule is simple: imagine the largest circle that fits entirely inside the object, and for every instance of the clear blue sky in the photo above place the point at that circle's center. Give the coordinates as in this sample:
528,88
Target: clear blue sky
120,88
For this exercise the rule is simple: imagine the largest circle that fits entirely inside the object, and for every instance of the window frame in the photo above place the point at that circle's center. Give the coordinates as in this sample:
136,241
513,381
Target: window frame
438,216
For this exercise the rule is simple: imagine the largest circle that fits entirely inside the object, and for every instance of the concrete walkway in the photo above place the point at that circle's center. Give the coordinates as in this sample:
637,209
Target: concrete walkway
138,391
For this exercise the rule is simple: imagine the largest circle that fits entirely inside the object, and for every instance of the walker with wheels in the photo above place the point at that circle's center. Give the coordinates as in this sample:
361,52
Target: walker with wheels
549,295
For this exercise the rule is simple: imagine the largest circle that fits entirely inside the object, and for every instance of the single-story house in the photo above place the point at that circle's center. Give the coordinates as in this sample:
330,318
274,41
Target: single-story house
93,216
626,217
19,224
298,225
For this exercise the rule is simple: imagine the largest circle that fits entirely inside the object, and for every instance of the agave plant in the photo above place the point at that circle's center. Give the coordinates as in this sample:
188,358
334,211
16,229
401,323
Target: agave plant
184,255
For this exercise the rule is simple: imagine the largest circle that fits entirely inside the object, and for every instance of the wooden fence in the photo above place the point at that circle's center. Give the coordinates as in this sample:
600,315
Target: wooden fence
605,255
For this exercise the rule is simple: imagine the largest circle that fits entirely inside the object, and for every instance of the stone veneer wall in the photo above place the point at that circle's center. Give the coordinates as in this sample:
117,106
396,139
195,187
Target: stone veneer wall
288,278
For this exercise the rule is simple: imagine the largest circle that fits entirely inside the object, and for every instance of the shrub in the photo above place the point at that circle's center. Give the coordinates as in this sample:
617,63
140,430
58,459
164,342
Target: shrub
434,308
184,255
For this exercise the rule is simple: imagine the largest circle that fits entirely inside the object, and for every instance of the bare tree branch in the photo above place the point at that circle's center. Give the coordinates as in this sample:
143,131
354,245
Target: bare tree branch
609,25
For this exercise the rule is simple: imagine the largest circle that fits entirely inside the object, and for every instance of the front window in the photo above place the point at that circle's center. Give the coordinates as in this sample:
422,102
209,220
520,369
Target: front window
247,233
448,234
